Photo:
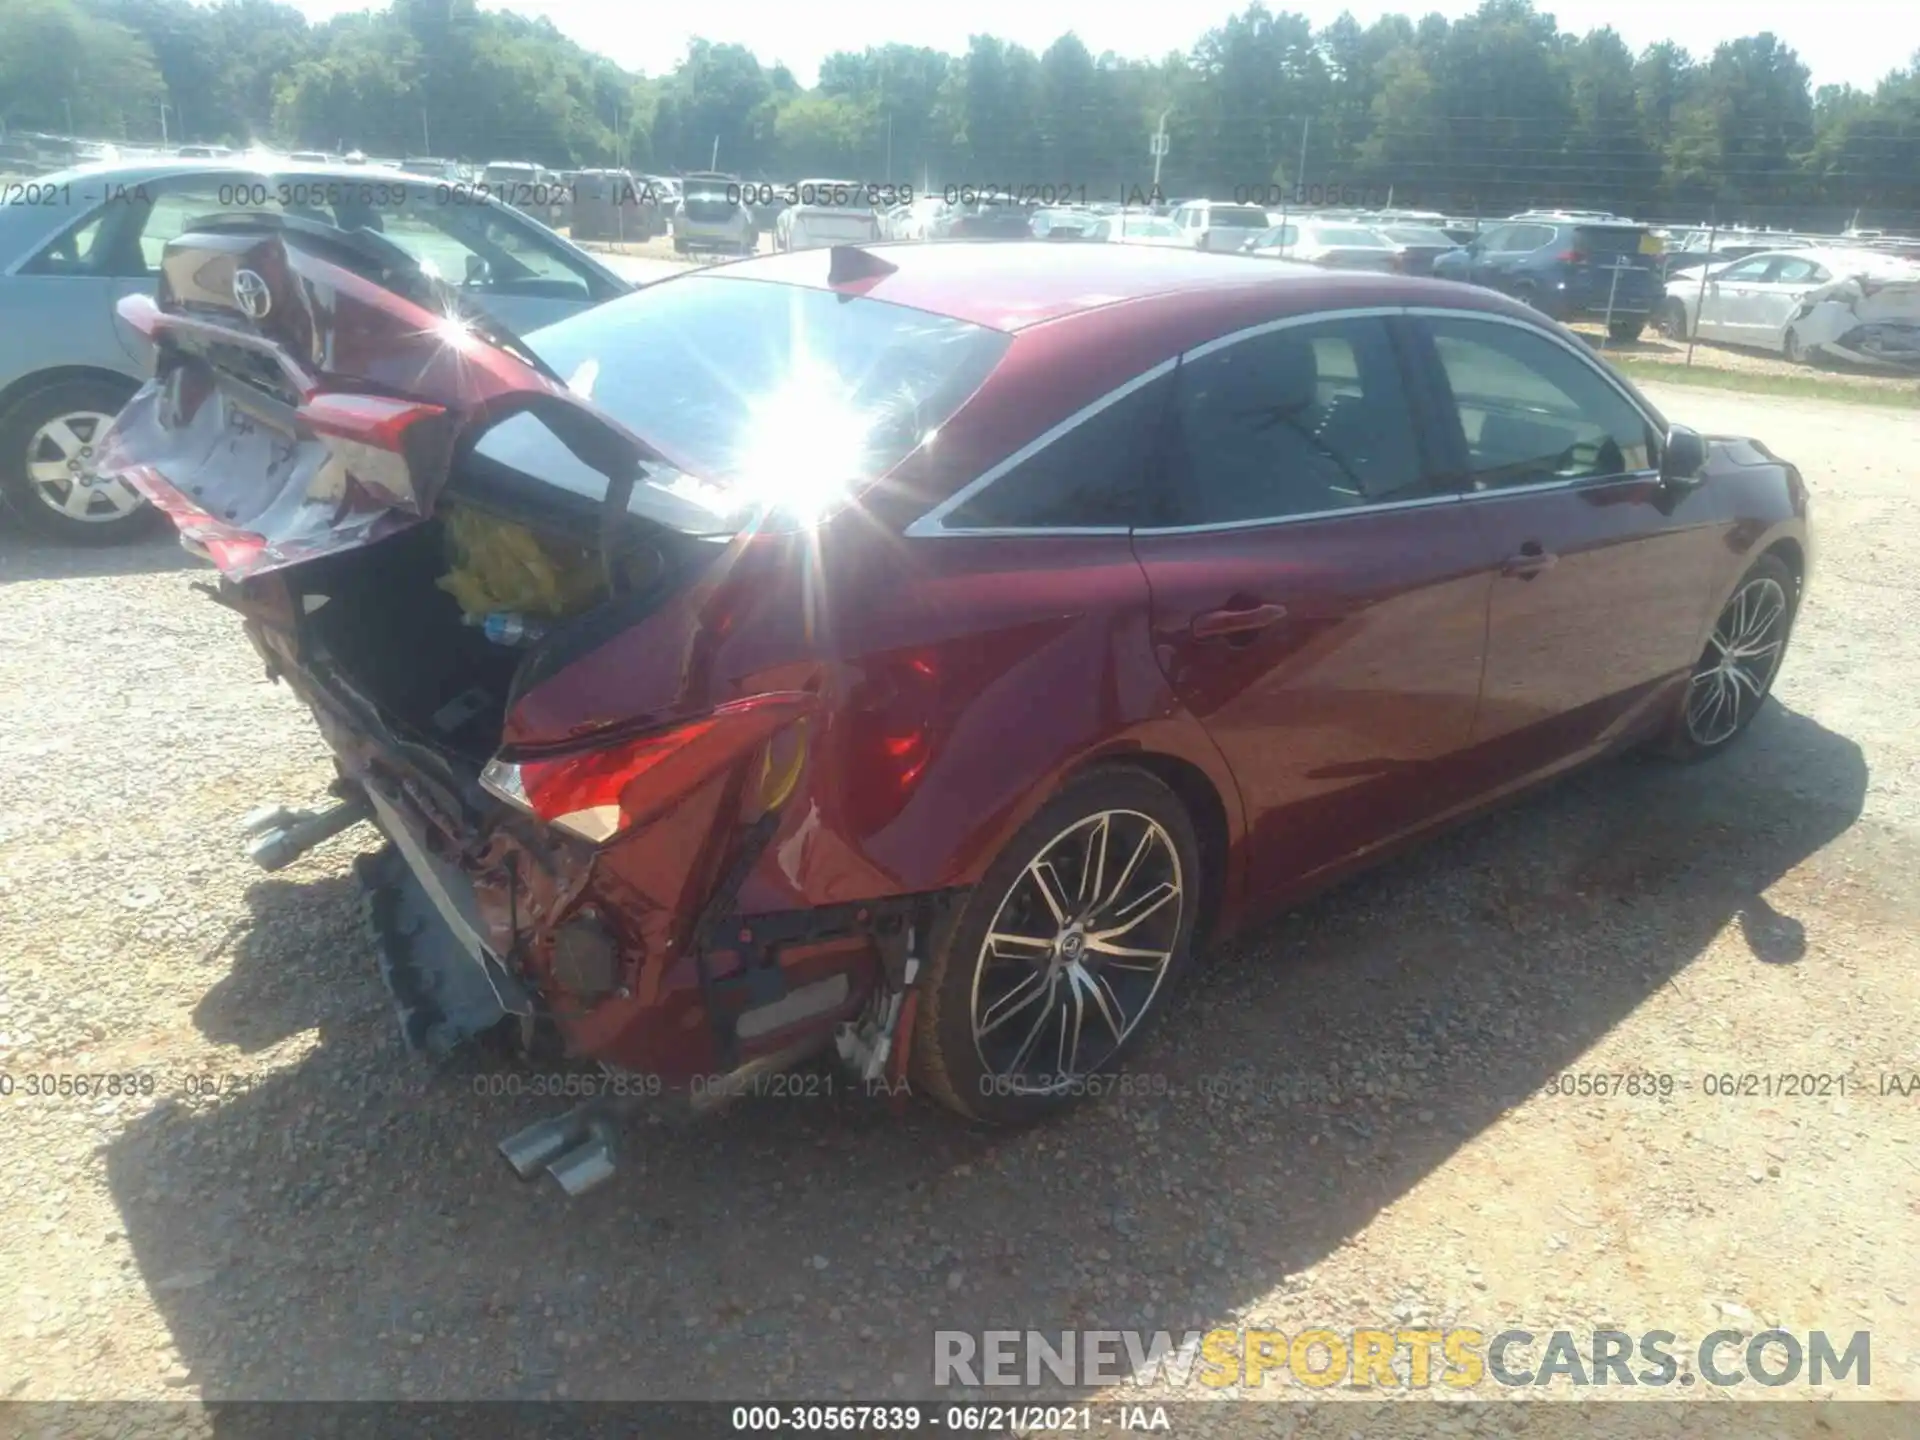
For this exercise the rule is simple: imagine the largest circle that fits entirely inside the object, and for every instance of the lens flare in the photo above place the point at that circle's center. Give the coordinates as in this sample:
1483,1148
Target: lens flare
804,447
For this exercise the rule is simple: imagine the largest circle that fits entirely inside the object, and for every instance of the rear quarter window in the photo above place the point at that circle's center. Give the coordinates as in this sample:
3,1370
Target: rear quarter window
1609,240
1092,476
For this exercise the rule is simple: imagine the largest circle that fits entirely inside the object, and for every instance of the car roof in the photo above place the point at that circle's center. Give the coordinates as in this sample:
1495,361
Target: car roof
1013,284
139,172
1840,257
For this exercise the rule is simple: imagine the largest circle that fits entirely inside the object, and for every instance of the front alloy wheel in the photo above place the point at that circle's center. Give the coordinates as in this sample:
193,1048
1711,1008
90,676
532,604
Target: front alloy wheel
1736,671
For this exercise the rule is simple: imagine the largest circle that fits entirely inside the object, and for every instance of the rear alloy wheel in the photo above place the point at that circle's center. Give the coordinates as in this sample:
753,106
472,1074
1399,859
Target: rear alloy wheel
1066,951
49,451
1736,671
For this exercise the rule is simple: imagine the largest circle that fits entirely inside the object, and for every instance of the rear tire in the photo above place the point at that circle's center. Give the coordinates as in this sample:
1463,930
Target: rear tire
1627,329
1011,1030
1734,675
1792,350
47,440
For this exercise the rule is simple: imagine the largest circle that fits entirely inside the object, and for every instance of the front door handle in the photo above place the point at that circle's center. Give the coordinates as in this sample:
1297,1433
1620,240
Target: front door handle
1247,620
1532,559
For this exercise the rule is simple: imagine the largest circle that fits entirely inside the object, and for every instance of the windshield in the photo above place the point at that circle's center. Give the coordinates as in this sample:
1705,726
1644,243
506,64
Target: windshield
1237,217
1145,228
769,395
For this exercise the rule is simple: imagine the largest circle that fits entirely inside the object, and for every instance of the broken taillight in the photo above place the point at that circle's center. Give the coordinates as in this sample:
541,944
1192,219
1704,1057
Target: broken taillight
372,438
1572,257
603,791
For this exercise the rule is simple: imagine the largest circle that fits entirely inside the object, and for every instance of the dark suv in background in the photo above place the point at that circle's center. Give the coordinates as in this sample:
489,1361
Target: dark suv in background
1568,267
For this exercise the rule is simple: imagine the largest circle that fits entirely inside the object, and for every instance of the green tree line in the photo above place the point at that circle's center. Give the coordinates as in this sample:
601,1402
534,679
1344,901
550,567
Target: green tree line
1494,111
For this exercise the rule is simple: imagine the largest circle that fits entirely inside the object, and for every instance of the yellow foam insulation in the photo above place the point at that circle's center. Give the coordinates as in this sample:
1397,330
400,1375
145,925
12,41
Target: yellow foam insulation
498,565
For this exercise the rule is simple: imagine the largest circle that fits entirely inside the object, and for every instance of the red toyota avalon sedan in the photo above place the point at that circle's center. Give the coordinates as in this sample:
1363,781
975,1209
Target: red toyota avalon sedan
923,648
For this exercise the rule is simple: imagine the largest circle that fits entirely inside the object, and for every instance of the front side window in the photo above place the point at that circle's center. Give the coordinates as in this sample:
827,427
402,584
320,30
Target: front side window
1091,476
1531,412
1748,270
1299,421
1795,272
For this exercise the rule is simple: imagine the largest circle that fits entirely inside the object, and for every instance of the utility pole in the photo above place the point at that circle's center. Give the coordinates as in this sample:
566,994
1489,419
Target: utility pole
713,165
1300,175
1159,146
163,125
426,141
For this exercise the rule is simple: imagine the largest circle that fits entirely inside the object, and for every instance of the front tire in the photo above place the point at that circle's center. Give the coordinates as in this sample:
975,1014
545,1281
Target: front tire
48,444
1792,350
1673,320
1065,953
1735,673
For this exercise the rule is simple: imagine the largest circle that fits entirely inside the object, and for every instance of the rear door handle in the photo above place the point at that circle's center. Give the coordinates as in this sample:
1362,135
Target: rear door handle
1532,559
1247,620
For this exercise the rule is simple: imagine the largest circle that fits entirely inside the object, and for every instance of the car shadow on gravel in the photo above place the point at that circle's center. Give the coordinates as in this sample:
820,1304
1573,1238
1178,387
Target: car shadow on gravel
25,557
343,1228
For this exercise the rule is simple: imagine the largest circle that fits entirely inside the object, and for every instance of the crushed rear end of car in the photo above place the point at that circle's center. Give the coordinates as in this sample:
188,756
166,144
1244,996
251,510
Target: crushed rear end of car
523,679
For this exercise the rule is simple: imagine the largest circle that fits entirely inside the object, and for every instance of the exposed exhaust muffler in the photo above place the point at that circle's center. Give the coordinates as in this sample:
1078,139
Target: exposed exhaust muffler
281,836
575,1148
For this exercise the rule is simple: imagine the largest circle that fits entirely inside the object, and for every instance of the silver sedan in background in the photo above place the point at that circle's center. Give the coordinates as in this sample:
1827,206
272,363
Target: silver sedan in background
1335,245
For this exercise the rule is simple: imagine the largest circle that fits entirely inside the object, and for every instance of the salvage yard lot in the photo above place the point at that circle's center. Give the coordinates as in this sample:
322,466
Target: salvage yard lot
1346,1123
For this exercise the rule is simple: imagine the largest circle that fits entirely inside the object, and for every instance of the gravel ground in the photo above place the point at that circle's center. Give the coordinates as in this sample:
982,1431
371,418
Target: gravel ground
298,1210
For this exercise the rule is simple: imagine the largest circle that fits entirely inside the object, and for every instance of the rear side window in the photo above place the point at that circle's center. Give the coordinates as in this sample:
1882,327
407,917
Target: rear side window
1238,217
1299,421
76,251
1608,239
1089,477
1533,413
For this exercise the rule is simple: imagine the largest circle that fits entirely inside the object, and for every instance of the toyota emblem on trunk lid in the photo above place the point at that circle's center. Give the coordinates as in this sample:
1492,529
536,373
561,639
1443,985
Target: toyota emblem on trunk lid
250,293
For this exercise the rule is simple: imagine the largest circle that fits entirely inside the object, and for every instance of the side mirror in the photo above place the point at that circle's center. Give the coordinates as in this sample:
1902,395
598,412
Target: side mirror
1683,457
479,272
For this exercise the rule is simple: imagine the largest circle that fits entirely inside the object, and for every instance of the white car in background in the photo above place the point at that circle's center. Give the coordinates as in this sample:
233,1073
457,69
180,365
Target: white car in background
711,215
924,219
1850,304
1216,225
1139,230
1337,246
827,212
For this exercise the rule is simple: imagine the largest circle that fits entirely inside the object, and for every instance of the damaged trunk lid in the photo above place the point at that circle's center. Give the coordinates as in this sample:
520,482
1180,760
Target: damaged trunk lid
312,388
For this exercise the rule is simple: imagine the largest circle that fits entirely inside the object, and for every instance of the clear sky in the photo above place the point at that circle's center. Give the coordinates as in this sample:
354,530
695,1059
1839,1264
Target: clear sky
1840,41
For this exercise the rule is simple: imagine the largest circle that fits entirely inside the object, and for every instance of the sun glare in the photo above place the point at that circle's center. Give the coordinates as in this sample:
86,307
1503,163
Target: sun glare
805,445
